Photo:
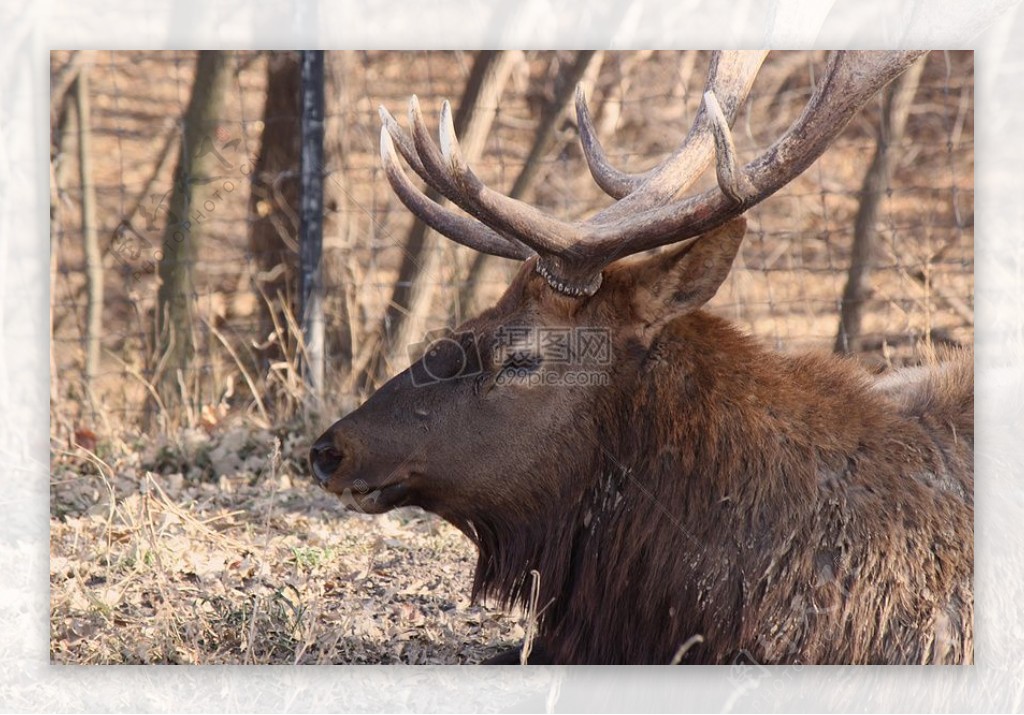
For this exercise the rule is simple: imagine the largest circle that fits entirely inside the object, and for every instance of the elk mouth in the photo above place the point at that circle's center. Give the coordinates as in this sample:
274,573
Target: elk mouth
376,501
363,496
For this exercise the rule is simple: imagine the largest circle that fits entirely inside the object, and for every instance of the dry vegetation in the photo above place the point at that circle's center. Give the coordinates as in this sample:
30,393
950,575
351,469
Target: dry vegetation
221,551
196,537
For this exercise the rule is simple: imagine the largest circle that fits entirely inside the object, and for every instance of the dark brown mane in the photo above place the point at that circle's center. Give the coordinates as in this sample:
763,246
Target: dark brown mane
801,564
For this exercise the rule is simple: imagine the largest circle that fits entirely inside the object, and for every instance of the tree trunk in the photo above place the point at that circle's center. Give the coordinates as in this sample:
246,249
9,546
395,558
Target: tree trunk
274,204
895,109
63,112
93,255
196,190
340,296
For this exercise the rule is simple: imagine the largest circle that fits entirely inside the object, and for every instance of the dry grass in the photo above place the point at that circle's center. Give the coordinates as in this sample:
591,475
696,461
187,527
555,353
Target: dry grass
217,549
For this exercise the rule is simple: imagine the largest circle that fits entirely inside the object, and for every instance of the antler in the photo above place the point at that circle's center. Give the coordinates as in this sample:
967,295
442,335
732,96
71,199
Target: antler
730,76
573,254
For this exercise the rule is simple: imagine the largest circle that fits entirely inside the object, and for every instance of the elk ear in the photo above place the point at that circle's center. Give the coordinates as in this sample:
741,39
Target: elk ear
686,277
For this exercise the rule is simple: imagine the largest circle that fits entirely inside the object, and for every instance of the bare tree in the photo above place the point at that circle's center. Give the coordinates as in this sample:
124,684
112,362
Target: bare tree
62,116
274,201
194,188
337,220
896,104
93,255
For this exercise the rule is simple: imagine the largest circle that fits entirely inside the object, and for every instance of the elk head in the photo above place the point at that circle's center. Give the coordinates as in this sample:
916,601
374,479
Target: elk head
503,414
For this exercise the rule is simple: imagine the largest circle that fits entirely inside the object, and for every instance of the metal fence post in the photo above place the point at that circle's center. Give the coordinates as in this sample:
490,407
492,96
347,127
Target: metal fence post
311,214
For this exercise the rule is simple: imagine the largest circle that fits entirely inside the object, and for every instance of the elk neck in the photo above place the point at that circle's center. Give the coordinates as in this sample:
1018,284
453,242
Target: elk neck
702,429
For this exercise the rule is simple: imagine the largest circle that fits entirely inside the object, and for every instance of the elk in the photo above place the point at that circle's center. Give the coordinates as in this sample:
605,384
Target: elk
697,498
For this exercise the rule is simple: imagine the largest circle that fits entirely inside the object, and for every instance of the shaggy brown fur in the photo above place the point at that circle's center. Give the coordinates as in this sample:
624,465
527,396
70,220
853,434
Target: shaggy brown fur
785,509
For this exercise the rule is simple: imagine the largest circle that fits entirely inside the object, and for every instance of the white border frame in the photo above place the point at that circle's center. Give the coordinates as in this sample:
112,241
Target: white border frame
29,682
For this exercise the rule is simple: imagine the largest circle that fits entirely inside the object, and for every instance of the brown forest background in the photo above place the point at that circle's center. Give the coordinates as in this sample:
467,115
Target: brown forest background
786,287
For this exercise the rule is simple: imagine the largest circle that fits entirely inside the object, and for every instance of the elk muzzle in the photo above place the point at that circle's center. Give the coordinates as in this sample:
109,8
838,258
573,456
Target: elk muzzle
325,458
340,464
335,458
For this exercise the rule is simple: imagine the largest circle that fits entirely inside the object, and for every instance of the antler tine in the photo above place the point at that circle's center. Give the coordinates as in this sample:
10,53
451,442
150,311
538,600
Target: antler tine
727,165
506,226
404,143
730,77
461,229
850,79
411,148
543,233
421,154
612,181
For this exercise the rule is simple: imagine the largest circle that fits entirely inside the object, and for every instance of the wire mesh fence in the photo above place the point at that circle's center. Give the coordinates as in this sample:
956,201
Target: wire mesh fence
386,285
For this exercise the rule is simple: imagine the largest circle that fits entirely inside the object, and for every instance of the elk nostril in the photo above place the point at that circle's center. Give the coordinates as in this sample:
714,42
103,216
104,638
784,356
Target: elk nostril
325,459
